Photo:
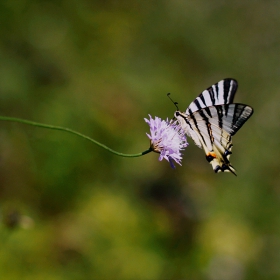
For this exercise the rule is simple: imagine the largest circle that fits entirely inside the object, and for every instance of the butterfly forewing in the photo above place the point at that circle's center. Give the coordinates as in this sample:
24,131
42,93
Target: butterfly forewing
211,120
221,93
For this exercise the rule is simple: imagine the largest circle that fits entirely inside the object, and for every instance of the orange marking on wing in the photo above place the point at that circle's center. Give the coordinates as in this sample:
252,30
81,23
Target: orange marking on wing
212,154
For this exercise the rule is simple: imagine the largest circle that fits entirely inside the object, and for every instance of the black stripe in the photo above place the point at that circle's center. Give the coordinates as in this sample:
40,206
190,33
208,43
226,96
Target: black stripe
201,113
239,121
234,117
195,123
207,109
226,107
196,102
217,91
208,124
210,132
220,115
186,120
226,89
220,122
211,94
201,96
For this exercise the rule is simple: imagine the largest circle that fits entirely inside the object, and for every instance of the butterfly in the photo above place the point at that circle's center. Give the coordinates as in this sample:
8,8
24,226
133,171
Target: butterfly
212,119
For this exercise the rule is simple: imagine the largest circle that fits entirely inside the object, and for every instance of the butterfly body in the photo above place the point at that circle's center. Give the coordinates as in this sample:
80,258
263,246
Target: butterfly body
212,119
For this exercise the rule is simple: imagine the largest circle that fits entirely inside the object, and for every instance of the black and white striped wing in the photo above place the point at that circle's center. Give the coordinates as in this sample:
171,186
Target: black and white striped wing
211,128
215,126
221,93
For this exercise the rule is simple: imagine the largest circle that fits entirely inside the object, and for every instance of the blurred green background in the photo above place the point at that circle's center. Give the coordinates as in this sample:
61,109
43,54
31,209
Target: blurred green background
71,210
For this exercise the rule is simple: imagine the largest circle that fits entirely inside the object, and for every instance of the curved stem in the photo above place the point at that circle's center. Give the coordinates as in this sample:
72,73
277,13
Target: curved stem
3,118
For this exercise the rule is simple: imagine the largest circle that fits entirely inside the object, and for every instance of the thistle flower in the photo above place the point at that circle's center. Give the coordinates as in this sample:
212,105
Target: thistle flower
167,138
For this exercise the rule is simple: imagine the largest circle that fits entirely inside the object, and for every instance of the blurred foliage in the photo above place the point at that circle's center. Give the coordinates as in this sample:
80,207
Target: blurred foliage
70,210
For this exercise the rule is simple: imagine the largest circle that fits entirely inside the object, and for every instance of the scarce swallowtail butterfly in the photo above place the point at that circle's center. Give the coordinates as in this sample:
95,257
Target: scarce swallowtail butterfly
212,119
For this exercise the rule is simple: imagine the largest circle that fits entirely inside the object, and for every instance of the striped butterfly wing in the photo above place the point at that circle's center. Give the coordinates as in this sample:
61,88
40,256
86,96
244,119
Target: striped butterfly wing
211,124
214,127
221,93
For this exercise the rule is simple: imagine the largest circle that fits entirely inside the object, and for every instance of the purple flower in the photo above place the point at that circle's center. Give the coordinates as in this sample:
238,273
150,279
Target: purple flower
167,138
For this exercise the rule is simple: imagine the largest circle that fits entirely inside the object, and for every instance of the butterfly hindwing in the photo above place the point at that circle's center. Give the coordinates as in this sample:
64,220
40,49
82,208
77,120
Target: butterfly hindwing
228,117
216,142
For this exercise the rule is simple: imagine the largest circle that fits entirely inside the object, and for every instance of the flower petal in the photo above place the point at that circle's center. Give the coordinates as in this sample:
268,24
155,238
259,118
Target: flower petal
167,138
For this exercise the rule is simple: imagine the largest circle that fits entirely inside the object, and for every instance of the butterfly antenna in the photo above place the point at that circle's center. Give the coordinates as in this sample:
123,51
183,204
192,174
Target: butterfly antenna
175,103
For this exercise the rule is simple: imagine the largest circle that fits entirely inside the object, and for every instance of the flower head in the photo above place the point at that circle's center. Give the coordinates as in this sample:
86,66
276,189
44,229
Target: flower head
167,138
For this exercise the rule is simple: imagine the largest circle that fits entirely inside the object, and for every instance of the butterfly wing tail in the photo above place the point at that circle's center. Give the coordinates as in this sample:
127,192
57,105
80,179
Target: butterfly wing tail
220,160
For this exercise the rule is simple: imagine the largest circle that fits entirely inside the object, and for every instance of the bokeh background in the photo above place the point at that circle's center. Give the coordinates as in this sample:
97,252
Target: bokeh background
71,210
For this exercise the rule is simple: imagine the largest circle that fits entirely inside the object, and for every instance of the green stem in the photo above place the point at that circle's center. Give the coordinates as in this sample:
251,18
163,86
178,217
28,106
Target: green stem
10,119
